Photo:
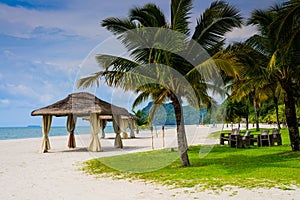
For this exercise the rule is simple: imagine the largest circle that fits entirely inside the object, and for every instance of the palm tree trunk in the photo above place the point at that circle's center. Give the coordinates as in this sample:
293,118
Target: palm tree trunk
181,135
291,118
256,114
277,113
247,115
247,120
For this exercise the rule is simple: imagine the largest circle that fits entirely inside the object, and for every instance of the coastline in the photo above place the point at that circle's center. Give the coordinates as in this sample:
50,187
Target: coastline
27,174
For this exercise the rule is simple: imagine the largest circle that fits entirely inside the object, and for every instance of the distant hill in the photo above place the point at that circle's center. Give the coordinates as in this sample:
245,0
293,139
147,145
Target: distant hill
165,115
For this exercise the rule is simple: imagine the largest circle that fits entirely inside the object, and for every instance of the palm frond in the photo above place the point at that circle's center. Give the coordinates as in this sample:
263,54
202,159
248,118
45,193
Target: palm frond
211,68
242,89
260,44
180,14
116,63
153,109
217,20
200,97
261,18
118,25
149,16
286,23
142,97
90,81
125,73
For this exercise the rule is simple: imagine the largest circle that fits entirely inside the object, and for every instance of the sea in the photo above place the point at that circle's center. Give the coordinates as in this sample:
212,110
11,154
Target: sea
8,133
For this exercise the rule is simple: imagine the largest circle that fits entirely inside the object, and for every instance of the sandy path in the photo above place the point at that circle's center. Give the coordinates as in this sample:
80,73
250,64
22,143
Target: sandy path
27,174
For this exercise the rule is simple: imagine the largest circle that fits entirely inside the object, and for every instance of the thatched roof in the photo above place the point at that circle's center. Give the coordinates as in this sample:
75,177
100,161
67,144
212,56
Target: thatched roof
81,104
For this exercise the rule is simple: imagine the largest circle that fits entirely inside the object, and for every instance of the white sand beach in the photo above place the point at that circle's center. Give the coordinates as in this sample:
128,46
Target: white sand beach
25,173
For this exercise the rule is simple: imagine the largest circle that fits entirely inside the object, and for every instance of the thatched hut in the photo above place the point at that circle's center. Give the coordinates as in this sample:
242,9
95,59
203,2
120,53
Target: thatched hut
82,105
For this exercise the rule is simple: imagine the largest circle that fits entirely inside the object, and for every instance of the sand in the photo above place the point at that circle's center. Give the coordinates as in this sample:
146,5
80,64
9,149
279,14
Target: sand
25,173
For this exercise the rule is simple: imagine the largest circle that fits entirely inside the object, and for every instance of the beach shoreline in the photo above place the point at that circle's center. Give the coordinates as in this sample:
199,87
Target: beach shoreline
25,173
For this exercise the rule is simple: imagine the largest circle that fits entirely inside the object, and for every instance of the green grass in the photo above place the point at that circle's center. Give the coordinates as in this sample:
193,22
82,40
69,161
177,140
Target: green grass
248,168
140,162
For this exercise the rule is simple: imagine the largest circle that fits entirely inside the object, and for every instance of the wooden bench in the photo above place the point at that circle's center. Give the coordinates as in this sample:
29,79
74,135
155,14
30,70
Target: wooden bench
264,138
275,137
225,137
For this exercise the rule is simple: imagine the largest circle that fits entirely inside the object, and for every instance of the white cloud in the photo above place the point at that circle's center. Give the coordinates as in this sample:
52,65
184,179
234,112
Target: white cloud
75,17
46,98
4,102
67,67
122,98
38,94
20,89
8,54
38,62
240,34
22,22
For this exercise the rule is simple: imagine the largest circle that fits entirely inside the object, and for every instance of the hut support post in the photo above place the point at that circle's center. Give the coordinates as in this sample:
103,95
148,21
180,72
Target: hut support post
46,124
123,127
163,136
131,127
118,140
103,123
71,123
95,128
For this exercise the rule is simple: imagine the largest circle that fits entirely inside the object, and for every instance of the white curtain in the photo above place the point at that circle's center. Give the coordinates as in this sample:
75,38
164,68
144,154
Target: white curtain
103,123
123,127
95,128
118,140
46,124
131,127
71,123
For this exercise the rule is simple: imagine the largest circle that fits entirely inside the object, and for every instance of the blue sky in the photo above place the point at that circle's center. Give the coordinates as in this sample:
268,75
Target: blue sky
46,45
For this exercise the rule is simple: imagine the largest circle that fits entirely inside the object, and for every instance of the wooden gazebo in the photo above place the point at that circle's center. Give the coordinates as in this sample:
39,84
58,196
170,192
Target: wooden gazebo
84,104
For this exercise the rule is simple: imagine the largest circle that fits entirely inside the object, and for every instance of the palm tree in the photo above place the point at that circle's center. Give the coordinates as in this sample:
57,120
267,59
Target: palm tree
235,111
142,119
279,39
274,91
255,81
246,86
164,65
